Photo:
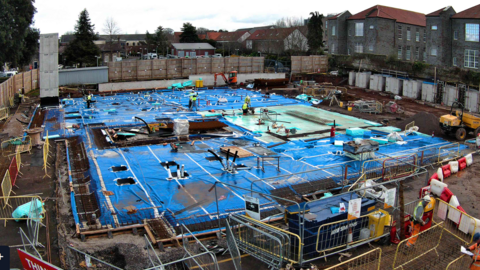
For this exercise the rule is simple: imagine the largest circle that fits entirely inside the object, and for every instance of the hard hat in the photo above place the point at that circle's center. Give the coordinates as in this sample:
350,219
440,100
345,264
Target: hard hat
476,237
426,198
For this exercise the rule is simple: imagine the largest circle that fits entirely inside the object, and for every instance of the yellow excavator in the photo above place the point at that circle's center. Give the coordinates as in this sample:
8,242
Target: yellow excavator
459,123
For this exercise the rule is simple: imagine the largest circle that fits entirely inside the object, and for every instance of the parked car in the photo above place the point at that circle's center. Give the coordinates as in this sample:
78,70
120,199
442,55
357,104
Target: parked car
217,55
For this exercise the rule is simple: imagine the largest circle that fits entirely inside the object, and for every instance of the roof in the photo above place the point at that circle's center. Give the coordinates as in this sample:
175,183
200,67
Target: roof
400,15
231,36
126,37
334,17
437,12
192,46
471,13
253,29
213,35
272,34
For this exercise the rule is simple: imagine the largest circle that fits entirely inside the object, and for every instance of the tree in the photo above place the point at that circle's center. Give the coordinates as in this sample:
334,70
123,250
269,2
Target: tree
189,34
30,48
82,49
169,31
202,30
294,33
111,29
287,22
159,39
222,30
16,16
315,32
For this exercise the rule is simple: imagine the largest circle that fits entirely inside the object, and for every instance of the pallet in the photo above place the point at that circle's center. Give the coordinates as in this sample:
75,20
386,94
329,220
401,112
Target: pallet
242,153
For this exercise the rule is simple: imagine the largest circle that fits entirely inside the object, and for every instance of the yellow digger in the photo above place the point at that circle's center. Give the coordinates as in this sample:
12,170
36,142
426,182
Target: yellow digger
459,123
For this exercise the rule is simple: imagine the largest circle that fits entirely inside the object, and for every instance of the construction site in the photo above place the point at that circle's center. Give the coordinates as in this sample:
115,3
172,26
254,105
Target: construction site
305,171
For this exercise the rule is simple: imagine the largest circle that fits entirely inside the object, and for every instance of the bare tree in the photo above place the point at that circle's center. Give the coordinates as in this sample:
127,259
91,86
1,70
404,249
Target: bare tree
294,33
202,30
111,29
169,31
287,22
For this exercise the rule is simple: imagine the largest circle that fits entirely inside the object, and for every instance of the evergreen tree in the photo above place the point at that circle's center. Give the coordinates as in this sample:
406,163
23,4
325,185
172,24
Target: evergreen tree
315,32
82,49
158,40
16,16
189,34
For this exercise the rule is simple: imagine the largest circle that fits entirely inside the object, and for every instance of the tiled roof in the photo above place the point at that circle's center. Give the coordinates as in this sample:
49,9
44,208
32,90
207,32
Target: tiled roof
213,35
334,17
471,13
437,12
400,15
271,34
231,36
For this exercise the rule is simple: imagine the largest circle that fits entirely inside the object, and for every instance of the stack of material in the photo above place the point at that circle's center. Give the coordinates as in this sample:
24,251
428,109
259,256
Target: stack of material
180,127
360,149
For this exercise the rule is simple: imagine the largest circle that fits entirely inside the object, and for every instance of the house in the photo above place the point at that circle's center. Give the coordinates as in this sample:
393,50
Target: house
232,41
439,37
453,39
379,30
278,40
192,49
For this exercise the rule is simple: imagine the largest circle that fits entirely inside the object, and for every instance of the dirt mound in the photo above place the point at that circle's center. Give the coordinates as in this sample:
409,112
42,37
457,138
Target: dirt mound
426,122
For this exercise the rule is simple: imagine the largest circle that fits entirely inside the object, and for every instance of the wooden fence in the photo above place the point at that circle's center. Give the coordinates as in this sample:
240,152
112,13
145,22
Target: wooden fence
307,64
158,69
28,80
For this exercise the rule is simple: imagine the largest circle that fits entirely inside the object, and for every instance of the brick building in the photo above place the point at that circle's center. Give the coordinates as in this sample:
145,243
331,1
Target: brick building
379,30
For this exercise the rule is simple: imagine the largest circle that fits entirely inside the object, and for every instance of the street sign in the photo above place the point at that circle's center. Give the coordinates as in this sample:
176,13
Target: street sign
252,207
31,262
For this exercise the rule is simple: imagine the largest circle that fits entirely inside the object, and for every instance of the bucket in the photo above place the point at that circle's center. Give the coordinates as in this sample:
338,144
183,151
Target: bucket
341,104
349,109
197,83
200,83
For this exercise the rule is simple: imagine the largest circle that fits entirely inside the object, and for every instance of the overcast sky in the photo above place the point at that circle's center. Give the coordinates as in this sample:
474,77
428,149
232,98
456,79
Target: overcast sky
59,16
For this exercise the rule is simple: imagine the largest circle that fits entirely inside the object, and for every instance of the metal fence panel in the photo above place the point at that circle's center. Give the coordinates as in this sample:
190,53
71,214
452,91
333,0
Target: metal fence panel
456,222
259,244
6,188
232,247
461,263
426,241
16,201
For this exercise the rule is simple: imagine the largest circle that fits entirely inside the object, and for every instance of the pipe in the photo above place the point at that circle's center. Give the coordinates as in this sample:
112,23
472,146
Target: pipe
169,172
182,171
178,171
228,157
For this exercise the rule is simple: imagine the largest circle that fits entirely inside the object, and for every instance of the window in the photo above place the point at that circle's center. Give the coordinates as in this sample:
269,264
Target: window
333,30
370,48
133,43
359,29
455,35
249,44
433,52
434,27
358,47
408,33
454,61
417,36
417,53
399,52
471,32
471,58
399,31
372,27
408,53
424,36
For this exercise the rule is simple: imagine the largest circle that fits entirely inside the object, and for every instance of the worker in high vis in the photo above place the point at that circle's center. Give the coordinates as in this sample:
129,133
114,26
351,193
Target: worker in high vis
194,101
418,221
245,108
20,96
475,249
89,99
248,101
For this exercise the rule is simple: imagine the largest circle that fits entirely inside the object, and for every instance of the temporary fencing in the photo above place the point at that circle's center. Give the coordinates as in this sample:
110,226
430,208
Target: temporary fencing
269,245
4,113
448,152
6,213
461,263
344,233
368,261
204,259
13,170
388,168
426,241
6,189
28,245
459,224
46,154
16,145
232,247
409,125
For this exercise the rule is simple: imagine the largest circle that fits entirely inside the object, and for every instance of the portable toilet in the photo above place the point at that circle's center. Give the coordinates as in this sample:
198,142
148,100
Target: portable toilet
362,79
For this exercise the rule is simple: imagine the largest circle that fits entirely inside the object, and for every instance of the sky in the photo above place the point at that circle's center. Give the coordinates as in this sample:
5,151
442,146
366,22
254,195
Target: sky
60,16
